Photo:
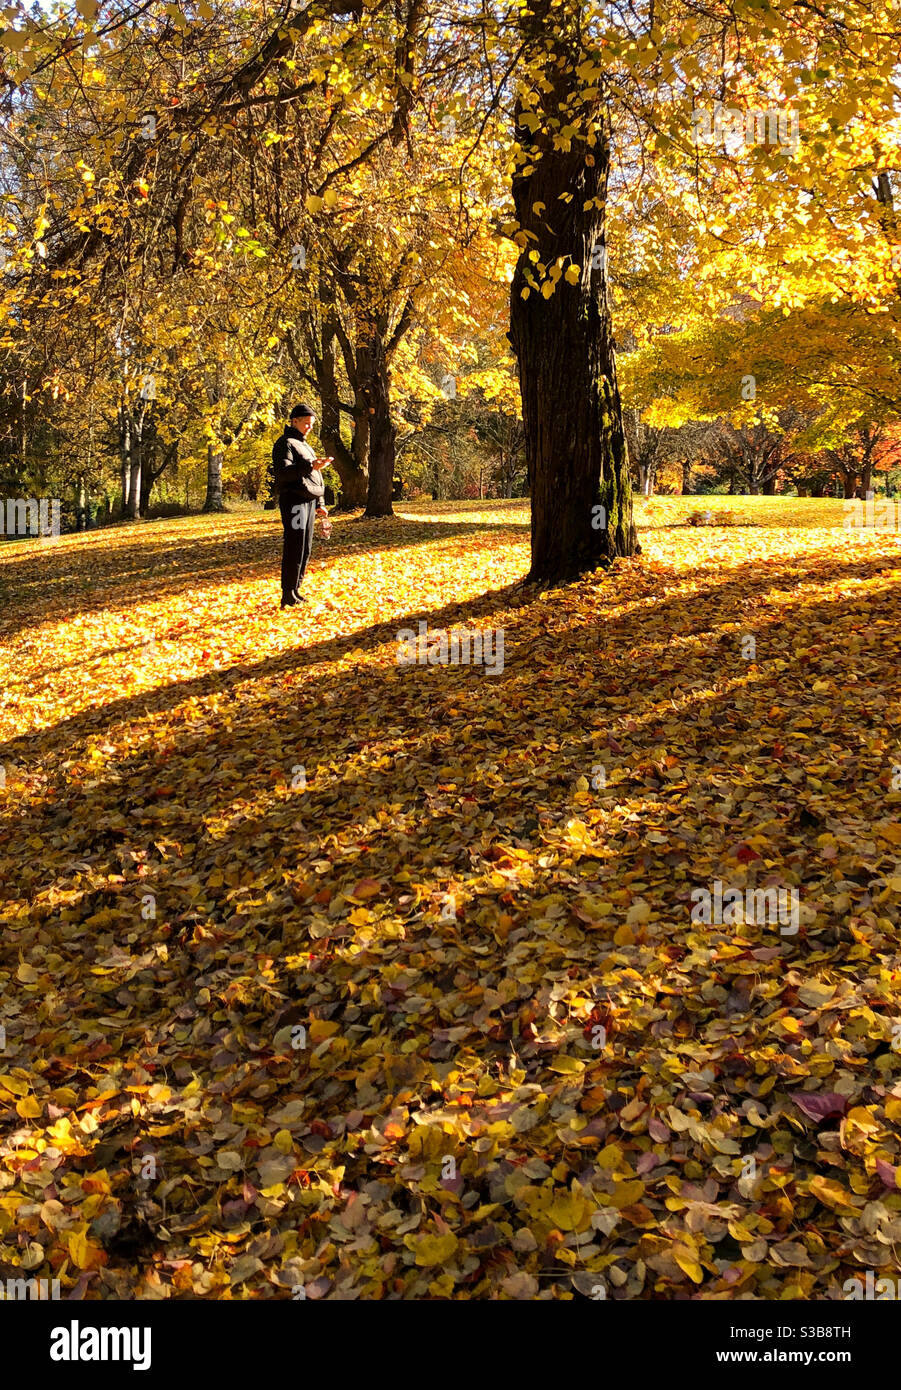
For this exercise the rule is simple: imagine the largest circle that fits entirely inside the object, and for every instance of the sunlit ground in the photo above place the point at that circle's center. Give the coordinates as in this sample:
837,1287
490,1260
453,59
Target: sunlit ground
220,822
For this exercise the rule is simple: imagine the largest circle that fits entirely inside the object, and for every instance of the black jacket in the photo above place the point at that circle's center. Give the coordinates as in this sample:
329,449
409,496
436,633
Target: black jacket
292,464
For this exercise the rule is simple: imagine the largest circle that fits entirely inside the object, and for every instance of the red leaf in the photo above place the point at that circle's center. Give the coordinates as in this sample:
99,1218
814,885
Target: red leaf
819,1106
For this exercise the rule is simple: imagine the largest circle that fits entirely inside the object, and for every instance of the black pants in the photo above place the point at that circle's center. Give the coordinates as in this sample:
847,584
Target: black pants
298,520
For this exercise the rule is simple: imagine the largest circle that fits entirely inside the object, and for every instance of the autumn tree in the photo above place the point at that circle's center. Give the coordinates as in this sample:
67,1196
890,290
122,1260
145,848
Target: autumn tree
625,97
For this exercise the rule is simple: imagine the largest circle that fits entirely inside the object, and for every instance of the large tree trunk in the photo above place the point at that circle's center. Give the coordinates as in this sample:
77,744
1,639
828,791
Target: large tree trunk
354,488
148,478
575,445
149,474
866,479
134,478
213,502
124,459
125,481
354,477
360,442
376,388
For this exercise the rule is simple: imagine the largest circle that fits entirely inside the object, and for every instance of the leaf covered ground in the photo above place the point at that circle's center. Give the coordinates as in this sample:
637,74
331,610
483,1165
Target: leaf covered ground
430,1017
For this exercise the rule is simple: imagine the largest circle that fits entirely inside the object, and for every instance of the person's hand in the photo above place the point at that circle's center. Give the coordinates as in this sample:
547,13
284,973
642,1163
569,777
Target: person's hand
321,511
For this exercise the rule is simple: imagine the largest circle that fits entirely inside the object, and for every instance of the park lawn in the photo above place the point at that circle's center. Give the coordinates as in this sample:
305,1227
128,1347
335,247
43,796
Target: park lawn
745,511
381,980
664,511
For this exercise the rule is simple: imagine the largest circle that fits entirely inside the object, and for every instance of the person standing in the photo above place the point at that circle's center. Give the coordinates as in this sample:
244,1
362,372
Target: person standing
300,493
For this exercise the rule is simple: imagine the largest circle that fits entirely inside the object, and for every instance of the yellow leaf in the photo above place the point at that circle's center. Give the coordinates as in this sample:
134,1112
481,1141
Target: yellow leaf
626,1194
565,1065
831,1194
20,1087
687,1261
862,1119
431,1250
83,1253
320,1029
570,1212
15,39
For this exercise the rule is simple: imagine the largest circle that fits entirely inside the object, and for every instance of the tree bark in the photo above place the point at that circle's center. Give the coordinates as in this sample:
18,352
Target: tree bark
149,474
354,488
125,482
575,444
866,479
360,442
354,478
124,459
148,478
134,469
213,502
376,389
352,472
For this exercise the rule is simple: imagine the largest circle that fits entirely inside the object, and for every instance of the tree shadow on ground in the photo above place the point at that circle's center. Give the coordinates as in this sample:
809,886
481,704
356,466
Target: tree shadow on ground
59,581
423,779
